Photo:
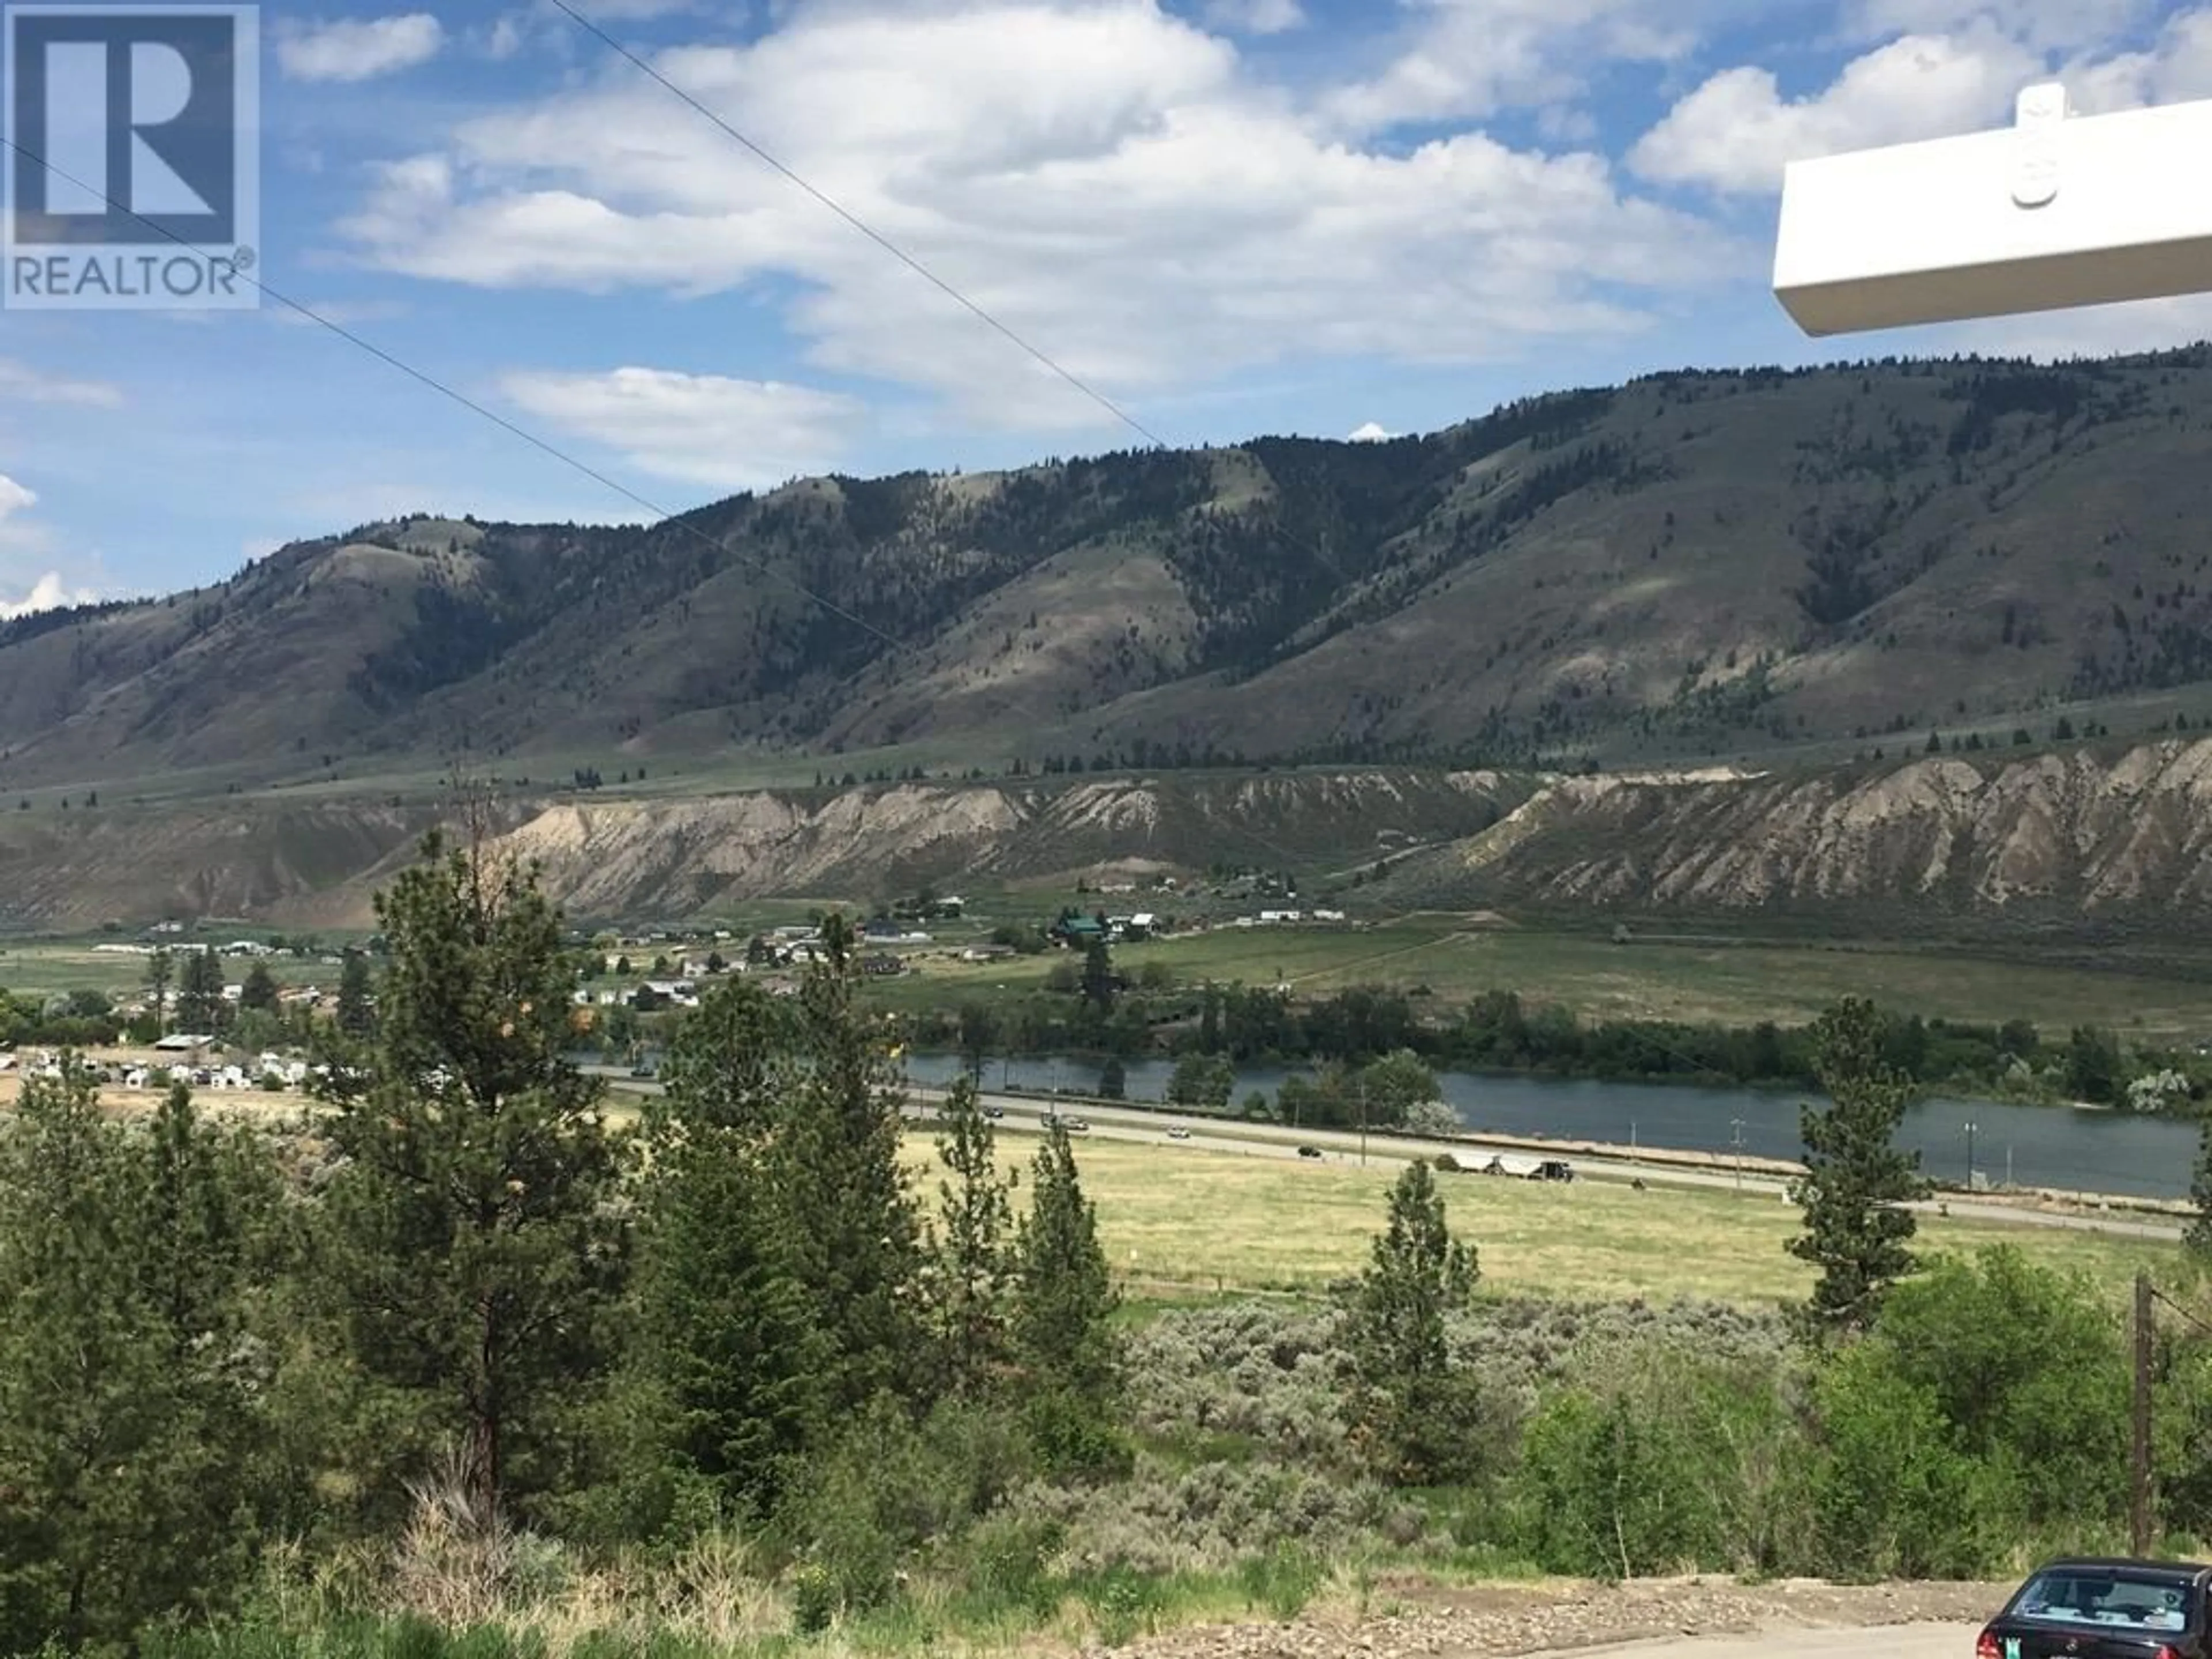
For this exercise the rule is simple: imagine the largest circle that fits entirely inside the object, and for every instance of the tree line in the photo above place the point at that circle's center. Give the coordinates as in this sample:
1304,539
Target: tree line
458,1298
1498,1031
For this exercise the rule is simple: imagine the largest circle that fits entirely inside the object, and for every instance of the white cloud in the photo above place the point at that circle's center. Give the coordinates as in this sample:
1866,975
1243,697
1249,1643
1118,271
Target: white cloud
1370,432
22,382
2041,25
1254,17
1958,73
697,429
1466,59
1736,131
358,50
1101,177
23,542
50,592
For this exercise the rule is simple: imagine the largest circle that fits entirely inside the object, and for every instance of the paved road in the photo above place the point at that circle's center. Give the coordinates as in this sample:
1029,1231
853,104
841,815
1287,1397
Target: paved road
1891,1641
1022,1112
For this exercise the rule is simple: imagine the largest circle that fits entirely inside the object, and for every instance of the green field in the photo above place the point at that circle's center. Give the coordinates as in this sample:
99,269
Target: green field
1200,1220
1733,983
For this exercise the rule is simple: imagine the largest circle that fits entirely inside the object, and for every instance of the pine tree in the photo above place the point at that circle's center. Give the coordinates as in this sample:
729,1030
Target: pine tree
835,1160
134,1476
160,970
470,1236
201,1008
972,1265
1063,1335
356,1015
1407,1402
259,991
1857,1182
730,1348
1098,976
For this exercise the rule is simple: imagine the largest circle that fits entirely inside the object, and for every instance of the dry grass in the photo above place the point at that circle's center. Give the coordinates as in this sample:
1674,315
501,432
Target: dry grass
1208,1220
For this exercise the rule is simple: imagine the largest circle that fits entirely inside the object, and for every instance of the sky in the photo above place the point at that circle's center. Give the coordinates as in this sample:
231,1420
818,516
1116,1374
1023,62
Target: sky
1226,218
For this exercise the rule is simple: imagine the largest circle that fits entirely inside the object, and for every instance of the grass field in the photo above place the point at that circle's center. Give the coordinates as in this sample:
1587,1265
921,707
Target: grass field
1208,1221
1732,983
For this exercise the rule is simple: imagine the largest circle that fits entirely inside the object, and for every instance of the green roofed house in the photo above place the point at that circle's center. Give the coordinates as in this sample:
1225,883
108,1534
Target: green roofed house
1081,930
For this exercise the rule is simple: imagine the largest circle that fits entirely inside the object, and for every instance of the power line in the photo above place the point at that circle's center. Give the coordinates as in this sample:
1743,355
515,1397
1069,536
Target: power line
662,516
914,264
870,231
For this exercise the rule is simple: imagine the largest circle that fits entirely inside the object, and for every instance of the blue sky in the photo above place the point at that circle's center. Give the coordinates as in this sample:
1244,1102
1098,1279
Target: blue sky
1233,217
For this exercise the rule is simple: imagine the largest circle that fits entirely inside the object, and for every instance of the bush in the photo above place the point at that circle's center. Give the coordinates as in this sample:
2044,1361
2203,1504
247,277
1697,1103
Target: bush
1890,1490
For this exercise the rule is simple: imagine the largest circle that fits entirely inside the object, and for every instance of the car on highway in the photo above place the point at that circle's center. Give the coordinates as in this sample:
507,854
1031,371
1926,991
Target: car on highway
2102,1607
994,1111
1309,1152
1178,1132
1076,1126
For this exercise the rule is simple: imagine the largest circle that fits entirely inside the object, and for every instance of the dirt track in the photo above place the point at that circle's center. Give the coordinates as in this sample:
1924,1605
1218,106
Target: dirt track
1651,1619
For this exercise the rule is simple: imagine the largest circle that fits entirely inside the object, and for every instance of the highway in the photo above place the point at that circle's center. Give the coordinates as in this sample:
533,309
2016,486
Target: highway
1023,1113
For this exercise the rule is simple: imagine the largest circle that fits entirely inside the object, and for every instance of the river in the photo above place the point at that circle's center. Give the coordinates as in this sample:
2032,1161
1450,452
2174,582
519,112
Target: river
2053,1146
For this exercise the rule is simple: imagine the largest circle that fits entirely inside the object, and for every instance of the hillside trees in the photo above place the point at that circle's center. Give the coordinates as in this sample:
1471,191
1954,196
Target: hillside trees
1857,1231
470,1248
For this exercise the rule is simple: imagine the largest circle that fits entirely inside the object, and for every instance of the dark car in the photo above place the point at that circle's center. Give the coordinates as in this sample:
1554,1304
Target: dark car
1309,1152
2096,1608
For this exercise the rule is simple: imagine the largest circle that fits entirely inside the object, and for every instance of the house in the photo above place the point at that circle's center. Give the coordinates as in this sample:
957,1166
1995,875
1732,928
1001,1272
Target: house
1080,931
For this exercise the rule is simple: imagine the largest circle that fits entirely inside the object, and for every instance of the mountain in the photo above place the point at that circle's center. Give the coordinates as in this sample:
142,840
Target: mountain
1692,565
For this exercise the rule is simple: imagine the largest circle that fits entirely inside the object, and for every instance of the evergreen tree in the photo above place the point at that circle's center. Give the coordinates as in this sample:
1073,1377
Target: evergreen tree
201,1008
1407,1404
850,1215
259,991
971,1269
1857,1182
356,1015
134,1476
729,1348
1063,1335
161,973
1098,976
470,1236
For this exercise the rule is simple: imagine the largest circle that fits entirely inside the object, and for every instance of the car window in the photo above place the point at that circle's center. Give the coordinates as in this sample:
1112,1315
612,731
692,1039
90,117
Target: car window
2109,1599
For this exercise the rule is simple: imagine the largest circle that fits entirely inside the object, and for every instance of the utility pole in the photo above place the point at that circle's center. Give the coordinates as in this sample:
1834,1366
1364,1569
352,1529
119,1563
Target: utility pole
1970,1155
2139,1492
1736,1124
1359,1094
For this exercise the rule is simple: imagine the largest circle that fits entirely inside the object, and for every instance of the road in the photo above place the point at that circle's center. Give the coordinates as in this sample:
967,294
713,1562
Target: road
1892,1642
1021,1113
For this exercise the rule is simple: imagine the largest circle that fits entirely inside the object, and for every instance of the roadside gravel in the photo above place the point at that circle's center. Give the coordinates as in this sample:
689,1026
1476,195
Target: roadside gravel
1408,1620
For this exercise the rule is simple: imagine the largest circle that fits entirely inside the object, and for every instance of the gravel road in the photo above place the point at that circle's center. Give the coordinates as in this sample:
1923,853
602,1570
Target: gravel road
1661,1618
